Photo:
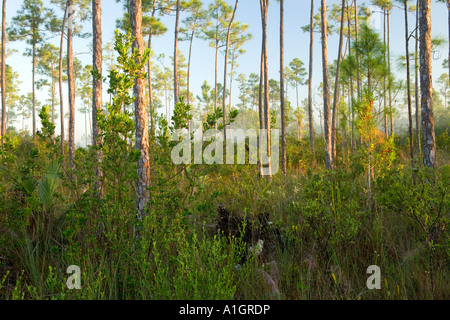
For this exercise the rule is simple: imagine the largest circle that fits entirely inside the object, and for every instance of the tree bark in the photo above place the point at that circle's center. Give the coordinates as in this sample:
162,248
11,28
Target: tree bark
416,81
408,86
386,126
34,89
448,9
70,79
265,4
215,69
53,99
391,116
426,88
310,102
326,93
358,78
231,80
336,86
61,95
352,113
260,101
3,75
189,77
141,119
282,102
175,54
150,84
97,87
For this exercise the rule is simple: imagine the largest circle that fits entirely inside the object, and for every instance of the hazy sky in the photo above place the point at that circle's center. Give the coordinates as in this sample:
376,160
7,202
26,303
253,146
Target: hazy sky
296,45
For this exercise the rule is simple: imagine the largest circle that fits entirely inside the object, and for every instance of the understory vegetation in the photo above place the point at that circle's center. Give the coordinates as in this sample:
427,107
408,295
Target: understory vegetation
331,226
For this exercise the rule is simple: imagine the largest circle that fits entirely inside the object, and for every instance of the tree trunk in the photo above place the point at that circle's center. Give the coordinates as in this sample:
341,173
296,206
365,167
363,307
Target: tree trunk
310,102
358,78
326,93
61,95
391,116
265,4
175,55
448,62
283,108
426,88
3,75
34,90
416,81
260,102
189,77
352,113
231,80
386,129
225,73
215,67
7,116
97,88
70,79
215,84
336,86
150,84
142,142
53,101
408,87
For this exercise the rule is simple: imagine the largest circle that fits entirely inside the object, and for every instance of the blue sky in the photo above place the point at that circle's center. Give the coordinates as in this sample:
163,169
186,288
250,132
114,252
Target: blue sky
296,44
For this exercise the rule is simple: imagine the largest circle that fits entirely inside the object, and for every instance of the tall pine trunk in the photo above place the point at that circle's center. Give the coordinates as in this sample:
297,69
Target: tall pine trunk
233,58
282,102
61,94
225,72
358,78
326,92
150,84
260,101
448,9
141,119
385,118
97,87
215,69
351,108
265,4
34,89
310,102
189,77
53,99
426,88
408,86
70,78
175,54
416,80
391,116
3,71
336,86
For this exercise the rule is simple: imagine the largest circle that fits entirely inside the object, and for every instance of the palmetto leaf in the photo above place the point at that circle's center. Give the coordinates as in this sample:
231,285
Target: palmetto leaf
48,185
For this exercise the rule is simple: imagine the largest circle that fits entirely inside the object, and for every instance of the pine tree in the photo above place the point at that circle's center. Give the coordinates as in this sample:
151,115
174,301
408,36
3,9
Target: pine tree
282,102
326,92
3,73
97,86
426,86
141,119
225,70
30,24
